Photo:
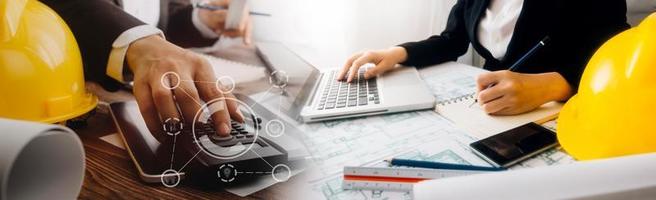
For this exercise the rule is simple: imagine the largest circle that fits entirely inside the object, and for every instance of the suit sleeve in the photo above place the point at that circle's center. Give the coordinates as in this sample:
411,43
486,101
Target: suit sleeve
95,24
582,28
180,30
448,46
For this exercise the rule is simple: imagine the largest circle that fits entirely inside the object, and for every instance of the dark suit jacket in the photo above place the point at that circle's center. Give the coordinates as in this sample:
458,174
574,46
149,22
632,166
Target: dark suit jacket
576,27
97,23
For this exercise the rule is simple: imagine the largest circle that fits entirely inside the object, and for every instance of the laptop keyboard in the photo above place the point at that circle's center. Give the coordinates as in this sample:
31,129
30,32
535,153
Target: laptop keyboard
340,94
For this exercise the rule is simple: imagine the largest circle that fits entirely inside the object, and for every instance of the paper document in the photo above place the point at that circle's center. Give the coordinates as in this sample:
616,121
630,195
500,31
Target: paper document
366,142
454,85
451,148
450,81
482,125
629,177
236,71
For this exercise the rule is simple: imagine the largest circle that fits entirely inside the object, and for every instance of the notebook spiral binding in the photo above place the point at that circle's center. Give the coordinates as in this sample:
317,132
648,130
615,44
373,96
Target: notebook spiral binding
456,99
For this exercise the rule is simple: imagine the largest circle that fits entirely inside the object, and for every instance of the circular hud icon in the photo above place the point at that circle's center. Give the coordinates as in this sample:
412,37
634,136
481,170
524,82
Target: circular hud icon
205,134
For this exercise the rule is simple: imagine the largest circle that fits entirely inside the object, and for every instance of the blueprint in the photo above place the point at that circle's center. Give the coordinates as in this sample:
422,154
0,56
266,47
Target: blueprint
367,141
451,81
421,135
356,144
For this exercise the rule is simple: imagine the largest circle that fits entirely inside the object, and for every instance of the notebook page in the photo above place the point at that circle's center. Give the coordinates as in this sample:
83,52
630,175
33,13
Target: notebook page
239,72
480,125
454,86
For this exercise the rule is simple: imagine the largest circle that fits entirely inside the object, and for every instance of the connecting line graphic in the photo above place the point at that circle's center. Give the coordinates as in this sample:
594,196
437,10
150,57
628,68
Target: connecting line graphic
175,136
280,100
266,94
171,178
189,95
258,155
173,151
238,172
211,82
192,158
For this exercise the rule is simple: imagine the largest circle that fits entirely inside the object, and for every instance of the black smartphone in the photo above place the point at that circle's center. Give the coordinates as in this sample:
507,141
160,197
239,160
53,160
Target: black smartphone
515,145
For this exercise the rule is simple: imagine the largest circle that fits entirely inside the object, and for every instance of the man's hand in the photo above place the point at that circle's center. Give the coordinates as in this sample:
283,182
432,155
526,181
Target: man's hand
384,60
514,93
153,58
216,21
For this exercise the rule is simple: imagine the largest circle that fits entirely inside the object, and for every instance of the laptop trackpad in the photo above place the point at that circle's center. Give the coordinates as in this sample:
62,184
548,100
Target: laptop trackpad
401,76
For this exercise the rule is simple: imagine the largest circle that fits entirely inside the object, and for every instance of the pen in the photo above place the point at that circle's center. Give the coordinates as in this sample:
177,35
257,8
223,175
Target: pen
439,165
521,60
213,8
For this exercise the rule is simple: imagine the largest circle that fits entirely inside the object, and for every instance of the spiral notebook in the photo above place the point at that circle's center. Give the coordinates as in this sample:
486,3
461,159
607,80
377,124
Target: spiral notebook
238,72
454,85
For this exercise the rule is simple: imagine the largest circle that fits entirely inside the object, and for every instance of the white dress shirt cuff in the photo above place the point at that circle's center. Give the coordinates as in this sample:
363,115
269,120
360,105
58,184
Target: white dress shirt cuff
120,48
204,30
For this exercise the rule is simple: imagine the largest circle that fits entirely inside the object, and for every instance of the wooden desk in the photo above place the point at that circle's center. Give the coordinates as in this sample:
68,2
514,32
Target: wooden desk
110,173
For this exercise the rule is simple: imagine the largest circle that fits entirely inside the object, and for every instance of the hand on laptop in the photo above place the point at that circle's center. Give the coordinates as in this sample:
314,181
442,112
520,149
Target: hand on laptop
514,93
153,61
384,60
216,21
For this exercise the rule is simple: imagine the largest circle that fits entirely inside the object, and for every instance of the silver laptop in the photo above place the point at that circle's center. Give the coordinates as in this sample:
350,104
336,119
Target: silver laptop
311,95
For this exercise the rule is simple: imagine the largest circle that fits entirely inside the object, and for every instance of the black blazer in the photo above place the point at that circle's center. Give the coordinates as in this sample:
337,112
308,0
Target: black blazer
576,27
97,23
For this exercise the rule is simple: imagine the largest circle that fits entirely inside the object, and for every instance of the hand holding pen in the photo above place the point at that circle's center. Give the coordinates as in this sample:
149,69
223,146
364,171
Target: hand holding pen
506,92
217,19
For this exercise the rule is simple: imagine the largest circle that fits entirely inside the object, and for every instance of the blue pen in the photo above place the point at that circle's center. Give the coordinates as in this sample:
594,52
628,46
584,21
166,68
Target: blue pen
439,165
521,60
213,8
530,53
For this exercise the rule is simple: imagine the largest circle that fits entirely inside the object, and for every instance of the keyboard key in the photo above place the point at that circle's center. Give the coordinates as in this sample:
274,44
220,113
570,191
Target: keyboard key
220,138
362,101
352,103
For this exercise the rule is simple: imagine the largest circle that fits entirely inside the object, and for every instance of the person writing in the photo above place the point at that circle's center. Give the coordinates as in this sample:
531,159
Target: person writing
114,33
502,31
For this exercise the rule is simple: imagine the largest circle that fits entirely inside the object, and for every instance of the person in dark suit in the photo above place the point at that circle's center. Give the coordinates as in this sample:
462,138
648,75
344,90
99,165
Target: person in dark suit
150,41
502,31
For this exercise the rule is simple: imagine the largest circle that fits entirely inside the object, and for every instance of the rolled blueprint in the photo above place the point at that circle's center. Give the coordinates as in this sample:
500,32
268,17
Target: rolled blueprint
629,177
39,161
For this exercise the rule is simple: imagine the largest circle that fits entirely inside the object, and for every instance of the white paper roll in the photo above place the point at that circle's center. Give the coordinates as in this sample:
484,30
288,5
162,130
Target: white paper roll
39,161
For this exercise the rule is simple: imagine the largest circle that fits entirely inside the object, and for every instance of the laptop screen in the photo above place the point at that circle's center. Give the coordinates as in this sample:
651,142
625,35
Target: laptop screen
292,72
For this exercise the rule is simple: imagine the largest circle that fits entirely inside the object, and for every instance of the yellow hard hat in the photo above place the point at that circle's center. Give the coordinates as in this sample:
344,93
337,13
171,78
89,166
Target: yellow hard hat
41,77
614,112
